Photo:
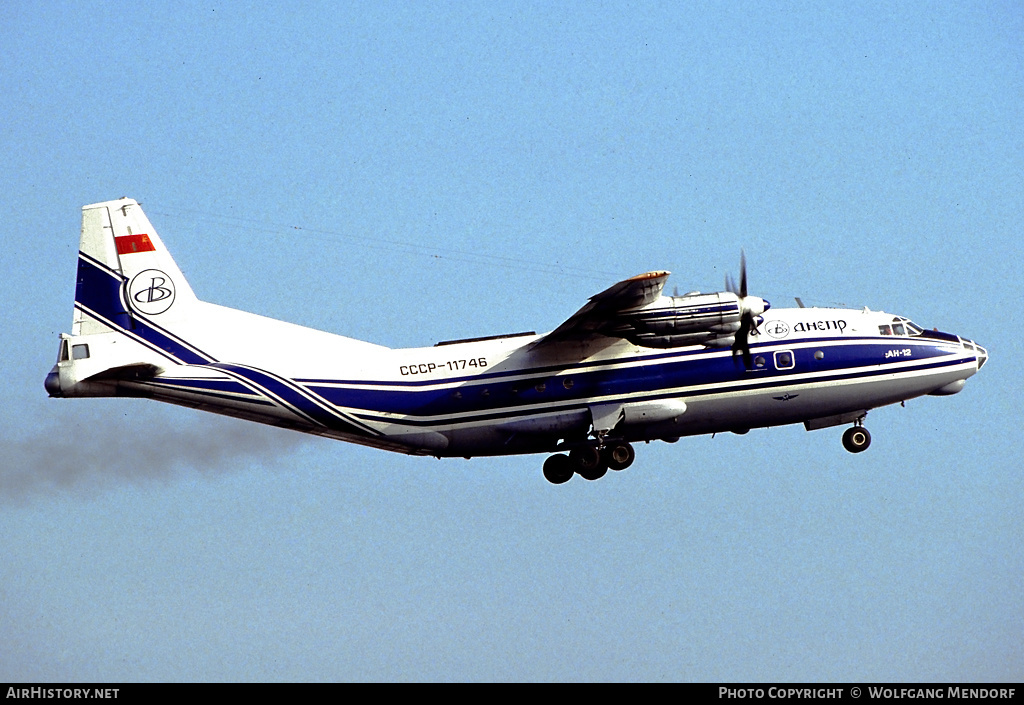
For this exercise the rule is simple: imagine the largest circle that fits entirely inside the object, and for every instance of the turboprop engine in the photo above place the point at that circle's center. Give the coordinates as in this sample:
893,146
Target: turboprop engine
723,319
694,319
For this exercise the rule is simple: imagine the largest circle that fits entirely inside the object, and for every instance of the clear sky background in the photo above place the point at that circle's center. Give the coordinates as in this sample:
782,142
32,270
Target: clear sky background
412,172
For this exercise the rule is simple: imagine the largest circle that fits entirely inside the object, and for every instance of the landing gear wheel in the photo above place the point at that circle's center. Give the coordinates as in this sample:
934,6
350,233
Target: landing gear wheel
856,439
587,461
595,473
558,469
619,456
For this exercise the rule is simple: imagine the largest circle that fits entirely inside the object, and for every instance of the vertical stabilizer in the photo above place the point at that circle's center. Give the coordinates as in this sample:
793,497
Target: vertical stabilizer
128,294
124,271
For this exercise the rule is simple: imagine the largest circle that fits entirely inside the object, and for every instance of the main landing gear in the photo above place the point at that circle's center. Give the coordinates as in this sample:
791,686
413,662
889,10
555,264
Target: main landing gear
856,439
589,462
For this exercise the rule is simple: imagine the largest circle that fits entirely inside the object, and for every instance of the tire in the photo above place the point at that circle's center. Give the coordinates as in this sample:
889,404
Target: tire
594,473
558,469
588,463
856,439
619,456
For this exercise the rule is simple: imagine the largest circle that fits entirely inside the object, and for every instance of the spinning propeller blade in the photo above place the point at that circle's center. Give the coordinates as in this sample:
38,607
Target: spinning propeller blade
750,308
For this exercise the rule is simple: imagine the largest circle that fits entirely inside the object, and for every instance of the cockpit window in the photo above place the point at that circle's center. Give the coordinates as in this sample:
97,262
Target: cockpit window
900,326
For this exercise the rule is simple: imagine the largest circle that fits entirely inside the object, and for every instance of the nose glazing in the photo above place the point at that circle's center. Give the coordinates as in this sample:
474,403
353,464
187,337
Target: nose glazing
980,352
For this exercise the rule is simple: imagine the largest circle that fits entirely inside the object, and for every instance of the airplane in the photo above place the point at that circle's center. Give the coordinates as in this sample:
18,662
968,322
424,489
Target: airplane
631,365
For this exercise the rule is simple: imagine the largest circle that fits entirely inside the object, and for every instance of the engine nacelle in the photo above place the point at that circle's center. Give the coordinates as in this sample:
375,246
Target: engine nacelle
711,320
678,321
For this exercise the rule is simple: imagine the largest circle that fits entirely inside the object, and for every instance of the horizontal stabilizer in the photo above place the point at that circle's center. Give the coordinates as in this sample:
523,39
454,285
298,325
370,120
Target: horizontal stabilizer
141,370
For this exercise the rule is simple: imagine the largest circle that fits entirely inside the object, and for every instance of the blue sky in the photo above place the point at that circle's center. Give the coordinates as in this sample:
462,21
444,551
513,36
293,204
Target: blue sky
412,172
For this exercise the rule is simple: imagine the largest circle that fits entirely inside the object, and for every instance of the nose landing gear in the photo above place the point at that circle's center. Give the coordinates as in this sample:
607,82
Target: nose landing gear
856,439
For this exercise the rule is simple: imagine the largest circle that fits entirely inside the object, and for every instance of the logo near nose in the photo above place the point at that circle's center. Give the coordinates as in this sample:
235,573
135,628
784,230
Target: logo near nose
777,329
151,292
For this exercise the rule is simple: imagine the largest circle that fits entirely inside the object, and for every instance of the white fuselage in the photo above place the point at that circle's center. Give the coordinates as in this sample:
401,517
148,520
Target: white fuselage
498,396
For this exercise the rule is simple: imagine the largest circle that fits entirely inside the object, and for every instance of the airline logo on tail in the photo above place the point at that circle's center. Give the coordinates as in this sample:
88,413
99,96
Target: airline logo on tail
151,292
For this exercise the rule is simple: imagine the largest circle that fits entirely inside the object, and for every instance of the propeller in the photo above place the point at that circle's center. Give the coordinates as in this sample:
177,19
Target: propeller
750,308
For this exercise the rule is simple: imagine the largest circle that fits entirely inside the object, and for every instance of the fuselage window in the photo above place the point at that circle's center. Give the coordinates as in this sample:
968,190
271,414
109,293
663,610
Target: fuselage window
80,352
758,362
783,360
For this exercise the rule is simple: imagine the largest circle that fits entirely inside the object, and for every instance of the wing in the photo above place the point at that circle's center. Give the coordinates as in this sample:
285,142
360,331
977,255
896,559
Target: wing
601,312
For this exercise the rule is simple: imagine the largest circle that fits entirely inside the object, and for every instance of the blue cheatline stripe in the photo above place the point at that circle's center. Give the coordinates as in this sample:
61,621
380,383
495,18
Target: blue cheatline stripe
297,399
98,293
226,386
98,288
642,359
508,411
464,396
99,265
250,397
130,334
169,342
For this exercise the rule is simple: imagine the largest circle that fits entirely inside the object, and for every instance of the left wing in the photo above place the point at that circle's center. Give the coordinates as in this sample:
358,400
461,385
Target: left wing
600,313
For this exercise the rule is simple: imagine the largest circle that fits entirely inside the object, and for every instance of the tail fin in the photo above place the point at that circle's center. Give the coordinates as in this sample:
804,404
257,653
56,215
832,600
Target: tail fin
129,293
124,270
